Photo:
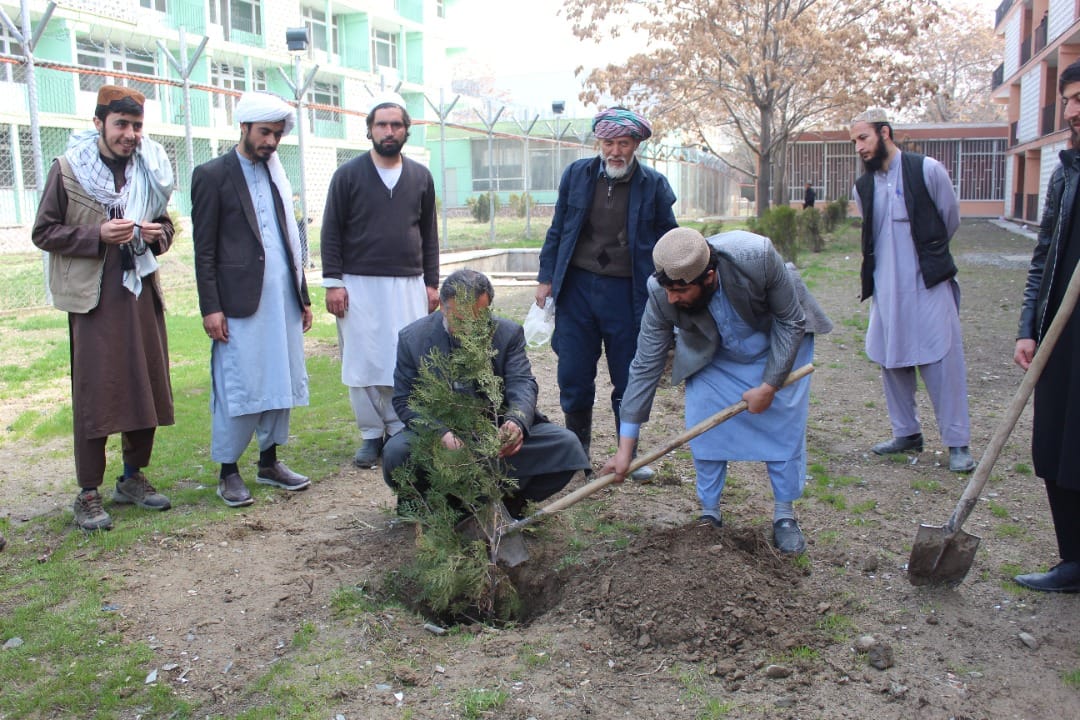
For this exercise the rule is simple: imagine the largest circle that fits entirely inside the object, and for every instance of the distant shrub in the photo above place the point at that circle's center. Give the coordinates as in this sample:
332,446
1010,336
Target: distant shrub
480,206
779,225
712,228
810,235
520,204
835,213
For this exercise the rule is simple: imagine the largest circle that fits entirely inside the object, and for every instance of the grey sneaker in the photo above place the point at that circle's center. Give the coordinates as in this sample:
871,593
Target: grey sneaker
137,490
368,454
281,476
233,491
643,474
89,514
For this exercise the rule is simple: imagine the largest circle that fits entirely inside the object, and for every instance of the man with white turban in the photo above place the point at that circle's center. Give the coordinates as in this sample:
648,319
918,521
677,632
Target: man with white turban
253,297
103,220
380,257
596,261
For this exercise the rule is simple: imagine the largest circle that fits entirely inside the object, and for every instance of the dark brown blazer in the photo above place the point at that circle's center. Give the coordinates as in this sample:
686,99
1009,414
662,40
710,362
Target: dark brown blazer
229,259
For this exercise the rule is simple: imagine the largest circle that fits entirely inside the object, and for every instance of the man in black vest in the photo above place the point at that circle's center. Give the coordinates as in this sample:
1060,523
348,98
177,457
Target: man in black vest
910,213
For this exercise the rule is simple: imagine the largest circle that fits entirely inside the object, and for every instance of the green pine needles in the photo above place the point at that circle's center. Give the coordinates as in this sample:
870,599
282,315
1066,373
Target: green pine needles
458,392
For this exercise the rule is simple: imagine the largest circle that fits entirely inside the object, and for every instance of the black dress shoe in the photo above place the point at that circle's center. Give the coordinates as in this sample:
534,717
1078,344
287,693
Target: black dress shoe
788,538
899,445
1063,577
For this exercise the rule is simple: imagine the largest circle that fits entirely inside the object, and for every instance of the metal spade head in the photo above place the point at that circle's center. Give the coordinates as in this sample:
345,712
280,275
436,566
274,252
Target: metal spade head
507,548
939,557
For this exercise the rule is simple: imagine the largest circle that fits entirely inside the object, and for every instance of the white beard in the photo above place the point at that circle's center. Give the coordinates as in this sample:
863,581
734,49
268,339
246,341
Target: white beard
616,173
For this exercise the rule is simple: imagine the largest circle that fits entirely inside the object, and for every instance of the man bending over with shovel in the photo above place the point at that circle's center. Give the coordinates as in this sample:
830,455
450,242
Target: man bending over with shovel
540,456
740,320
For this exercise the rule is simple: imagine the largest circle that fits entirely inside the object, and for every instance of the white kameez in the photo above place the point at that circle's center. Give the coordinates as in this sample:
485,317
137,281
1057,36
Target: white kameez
902,307
261,368
379,307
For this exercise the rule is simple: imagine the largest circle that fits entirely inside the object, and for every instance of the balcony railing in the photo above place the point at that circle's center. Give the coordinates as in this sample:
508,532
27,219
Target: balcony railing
998,77
1031,209
1049,114
1001,10
1025,50
1040,36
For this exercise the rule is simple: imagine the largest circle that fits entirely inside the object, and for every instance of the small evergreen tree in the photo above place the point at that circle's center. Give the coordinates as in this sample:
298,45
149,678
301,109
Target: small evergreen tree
458,392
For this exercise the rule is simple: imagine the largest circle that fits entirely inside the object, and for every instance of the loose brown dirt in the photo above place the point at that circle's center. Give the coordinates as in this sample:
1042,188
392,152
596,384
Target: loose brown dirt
631,609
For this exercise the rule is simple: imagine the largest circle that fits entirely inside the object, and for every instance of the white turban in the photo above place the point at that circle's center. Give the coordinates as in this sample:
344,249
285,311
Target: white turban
385,98
253,107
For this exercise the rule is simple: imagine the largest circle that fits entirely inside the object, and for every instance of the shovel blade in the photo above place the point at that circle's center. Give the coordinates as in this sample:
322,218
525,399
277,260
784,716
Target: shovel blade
939,557
507,548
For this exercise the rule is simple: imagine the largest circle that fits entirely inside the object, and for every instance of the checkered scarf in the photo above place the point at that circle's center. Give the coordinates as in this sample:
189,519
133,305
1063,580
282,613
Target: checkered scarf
148,184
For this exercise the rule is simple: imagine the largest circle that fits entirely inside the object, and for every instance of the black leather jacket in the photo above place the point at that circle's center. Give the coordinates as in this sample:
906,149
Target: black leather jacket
1054,228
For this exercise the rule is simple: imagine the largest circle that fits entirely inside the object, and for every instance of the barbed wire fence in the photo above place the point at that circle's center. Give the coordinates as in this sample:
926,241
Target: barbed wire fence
468,158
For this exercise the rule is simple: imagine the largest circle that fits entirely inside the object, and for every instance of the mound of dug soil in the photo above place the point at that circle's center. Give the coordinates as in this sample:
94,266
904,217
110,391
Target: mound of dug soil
691,590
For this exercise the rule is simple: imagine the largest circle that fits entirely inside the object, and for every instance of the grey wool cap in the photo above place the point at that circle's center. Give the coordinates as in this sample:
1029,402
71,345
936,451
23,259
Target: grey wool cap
682,254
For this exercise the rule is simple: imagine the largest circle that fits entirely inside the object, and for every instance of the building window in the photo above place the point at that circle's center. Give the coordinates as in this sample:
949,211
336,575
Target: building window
327,95
241,15
440,8
232,77
319,30
159,5
12,72
505,173
384,48
123,60
7,154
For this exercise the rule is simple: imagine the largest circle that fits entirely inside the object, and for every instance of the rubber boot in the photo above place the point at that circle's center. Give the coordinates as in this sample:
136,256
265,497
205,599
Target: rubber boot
580,423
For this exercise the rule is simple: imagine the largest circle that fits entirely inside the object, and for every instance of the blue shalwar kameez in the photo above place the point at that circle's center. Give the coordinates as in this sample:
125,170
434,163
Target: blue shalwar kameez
776,436
259,374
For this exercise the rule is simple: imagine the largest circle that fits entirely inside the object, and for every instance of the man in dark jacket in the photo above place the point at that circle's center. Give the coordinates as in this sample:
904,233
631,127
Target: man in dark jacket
540,456
809,197
1054,450
253,297
596,261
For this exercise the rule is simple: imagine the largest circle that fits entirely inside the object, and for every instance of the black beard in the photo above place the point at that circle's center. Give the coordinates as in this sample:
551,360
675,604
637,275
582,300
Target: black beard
876,162
1074,139
702,301
390,149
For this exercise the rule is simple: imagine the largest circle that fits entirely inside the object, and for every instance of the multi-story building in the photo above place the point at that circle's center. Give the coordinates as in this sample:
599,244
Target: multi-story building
1042,37
355,48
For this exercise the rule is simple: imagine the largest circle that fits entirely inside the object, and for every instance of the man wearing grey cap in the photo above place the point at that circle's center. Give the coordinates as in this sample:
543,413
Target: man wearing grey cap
910,213
740,320
596,260
380,257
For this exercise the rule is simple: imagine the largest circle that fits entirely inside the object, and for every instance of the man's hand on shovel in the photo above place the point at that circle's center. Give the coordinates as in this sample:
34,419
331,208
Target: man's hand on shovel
619,464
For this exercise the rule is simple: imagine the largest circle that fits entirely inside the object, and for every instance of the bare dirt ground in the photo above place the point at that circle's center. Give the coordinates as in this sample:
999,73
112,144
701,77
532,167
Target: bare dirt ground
651,627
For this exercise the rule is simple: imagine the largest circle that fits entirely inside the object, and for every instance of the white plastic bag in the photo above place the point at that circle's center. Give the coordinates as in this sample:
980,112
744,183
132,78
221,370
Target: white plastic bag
539,323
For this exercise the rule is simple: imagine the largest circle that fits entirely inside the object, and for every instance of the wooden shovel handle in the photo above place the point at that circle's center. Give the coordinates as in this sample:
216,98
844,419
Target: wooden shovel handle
1016,407
678,441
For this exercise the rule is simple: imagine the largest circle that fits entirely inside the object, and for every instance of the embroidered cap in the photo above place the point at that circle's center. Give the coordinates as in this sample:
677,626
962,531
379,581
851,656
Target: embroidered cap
682,254
873,115
115,98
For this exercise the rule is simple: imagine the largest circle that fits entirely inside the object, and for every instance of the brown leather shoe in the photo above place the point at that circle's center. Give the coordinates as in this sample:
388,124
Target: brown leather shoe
233,491
281,476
